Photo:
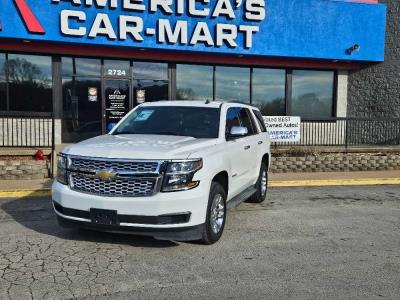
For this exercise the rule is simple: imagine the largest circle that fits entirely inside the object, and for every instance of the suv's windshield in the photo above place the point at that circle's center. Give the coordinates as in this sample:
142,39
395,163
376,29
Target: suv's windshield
198,122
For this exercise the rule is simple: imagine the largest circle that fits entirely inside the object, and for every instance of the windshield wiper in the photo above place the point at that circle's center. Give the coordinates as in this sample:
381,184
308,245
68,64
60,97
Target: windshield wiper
124,132
168,133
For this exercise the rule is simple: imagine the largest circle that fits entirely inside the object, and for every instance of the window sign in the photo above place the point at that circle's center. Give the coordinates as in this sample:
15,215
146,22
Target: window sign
117,101
140,96
283,129
92,94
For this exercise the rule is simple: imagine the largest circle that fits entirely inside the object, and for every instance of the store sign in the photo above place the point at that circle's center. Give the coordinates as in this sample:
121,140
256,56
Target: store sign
251,27
283,129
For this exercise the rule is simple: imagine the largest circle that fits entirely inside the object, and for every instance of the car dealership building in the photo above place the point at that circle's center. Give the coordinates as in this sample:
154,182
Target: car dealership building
86,63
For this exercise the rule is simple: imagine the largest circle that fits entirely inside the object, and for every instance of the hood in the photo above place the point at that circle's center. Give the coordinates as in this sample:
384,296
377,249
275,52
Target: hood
137,146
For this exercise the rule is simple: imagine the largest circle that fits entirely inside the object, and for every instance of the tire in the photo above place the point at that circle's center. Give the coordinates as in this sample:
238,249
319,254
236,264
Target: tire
216,215
261,185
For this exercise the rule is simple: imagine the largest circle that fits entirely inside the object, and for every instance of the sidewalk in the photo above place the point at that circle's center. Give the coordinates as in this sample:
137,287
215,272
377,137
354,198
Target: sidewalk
23,188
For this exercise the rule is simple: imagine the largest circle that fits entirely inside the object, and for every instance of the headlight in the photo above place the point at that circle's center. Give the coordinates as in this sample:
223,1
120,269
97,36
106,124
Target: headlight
62,170
179,175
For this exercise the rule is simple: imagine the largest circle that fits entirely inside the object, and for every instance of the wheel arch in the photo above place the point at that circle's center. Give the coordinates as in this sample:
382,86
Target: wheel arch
266,159
222,178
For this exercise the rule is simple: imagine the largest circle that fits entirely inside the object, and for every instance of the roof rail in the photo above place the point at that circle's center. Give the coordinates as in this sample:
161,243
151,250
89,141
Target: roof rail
241,102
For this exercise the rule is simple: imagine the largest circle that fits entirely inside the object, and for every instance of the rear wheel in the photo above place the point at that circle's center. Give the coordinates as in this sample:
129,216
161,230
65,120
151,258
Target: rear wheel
216,214
262,186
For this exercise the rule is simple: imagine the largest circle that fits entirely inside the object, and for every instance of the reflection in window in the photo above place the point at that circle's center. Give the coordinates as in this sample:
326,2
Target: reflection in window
82,114
30,82
149,90
269,91
312,93
194,82
80,66
116,68
232,84
3,83
148,70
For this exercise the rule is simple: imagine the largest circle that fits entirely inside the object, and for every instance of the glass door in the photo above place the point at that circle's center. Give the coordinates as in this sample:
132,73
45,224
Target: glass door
116,106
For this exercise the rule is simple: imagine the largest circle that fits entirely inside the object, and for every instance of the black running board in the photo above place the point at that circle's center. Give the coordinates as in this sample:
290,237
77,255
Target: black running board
243,196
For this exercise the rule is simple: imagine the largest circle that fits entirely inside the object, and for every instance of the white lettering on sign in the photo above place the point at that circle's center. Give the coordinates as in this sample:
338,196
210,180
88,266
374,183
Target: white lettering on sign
201,29
283,129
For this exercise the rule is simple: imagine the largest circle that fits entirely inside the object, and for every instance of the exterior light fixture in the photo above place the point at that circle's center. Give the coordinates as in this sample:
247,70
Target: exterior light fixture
355,47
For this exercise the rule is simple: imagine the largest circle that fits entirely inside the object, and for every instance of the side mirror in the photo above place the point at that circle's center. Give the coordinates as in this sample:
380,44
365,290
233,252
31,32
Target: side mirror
237,131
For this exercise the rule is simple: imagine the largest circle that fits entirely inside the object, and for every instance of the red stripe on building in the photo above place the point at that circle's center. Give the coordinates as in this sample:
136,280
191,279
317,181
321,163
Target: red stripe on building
31,23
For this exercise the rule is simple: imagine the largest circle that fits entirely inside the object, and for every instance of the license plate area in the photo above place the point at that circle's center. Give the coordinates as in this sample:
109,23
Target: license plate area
104,216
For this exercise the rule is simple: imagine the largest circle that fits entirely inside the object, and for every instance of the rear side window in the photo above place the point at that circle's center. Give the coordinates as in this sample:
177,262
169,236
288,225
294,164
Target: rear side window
260,120
244,116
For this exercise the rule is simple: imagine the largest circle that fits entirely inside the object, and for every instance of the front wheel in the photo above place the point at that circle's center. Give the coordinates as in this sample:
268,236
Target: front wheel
262,186
216,214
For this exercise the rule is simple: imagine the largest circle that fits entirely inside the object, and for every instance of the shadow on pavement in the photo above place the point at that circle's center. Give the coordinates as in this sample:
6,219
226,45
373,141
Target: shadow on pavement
36,213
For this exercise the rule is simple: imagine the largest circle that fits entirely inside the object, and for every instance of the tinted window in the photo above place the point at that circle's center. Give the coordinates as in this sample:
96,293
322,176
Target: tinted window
81,66
194,82
232,84
3,84
2,67
269,91
260,120
30,82
82,111
238,116
312,93
197,122
245,120
116,68
232,118
149,90
3,95
148,70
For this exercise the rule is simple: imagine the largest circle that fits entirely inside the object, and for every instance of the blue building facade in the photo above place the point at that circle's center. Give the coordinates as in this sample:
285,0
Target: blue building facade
91,61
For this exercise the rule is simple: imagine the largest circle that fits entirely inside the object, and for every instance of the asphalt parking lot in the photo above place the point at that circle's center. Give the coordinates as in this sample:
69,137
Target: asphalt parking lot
332,242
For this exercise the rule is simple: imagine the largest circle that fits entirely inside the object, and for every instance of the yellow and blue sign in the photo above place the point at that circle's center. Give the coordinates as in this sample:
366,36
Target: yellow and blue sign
318,29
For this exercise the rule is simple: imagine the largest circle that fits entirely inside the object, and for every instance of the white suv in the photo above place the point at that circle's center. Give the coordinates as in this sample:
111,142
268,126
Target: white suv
169,169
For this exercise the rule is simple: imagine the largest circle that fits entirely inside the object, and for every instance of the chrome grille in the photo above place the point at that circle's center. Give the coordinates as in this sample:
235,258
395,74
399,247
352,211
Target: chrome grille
128,187
93,164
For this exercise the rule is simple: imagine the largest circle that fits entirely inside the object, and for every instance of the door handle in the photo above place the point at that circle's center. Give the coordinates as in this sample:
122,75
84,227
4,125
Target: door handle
260,142
246,147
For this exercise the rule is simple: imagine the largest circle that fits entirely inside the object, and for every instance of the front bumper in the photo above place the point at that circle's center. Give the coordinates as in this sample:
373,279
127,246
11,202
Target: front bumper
190,233
157,215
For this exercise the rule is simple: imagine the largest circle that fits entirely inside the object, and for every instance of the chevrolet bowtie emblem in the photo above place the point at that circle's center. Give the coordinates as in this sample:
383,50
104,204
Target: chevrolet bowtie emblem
106,175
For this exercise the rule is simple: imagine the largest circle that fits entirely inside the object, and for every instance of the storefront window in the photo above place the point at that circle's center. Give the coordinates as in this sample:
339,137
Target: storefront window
269,91
194,82
119,68
232,84
81,66
30,82
81,108
149,90
149,70
3,83
312,93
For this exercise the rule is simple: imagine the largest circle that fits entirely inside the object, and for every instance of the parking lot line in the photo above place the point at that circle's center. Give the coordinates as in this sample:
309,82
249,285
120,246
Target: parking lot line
336,182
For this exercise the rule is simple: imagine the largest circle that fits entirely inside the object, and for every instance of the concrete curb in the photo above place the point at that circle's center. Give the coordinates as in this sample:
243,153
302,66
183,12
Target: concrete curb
336,182
273,184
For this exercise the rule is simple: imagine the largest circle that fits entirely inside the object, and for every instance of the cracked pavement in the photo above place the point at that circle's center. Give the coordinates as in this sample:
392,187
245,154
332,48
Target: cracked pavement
332,242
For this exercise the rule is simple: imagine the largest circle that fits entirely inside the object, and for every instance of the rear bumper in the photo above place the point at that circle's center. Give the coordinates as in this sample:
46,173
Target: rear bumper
190,233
